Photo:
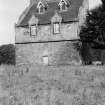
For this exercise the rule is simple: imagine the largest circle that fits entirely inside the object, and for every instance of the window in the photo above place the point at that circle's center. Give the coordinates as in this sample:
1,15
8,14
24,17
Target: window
56,22
63,5
33,30
56,28
45,60
41,8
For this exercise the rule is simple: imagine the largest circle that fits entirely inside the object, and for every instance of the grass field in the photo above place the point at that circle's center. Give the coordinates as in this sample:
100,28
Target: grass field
70,85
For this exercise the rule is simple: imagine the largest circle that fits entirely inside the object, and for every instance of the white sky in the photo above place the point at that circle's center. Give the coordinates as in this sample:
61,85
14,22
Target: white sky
10,11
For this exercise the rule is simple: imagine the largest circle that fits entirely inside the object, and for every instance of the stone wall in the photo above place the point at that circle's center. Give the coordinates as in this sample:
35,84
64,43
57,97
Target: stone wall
57,52
83,12
45,33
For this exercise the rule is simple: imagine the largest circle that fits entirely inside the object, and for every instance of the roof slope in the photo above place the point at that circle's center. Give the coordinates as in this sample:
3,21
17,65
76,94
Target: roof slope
70,15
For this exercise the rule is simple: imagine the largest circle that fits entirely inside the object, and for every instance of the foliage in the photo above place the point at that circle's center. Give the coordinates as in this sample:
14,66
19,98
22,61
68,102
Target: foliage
7,54
93,29
92,35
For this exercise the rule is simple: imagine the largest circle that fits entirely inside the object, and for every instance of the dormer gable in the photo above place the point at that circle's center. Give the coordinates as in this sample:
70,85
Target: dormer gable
33,20
63,5
41,6
56,18
56,21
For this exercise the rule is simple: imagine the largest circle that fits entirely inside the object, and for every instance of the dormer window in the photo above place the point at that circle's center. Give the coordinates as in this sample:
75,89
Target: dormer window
56,21
33,30
56,28
33,25
41,8
63,5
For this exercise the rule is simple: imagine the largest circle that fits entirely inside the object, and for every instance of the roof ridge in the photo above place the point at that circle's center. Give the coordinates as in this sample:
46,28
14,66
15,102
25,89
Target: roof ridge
53,1
49,1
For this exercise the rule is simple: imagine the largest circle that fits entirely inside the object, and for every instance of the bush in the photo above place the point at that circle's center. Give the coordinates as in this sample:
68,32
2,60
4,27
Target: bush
7,54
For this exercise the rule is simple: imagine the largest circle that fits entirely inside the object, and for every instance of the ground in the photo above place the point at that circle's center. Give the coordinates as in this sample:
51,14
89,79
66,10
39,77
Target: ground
61,85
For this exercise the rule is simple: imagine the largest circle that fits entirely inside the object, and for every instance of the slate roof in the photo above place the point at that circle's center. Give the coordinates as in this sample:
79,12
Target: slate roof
70,15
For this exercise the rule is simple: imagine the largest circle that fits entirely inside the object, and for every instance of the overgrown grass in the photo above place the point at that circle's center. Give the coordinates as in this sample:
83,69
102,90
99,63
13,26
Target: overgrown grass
22,82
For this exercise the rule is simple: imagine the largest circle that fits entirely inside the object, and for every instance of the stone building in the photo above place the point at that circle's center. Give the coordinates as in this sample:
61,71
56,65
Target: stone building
48,30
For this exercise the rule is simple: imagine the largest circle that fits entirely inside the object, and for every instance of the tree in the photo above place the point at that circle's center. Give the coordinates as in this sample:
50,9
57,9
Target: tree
93,31
7,54
103,2
94,26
